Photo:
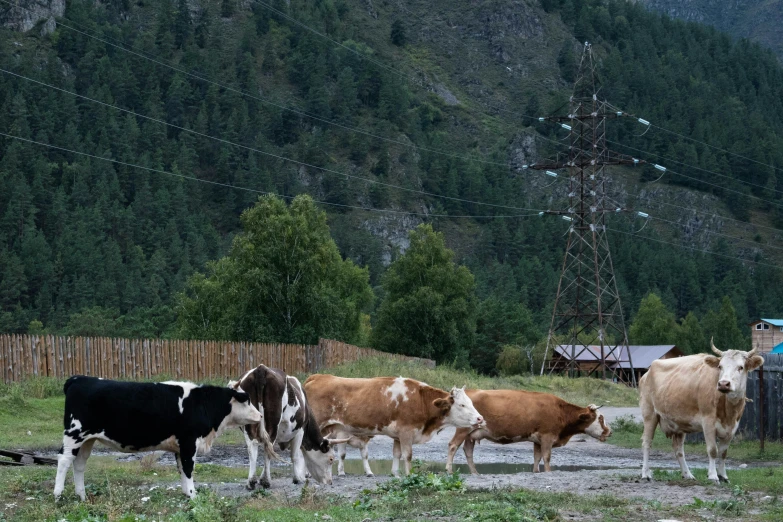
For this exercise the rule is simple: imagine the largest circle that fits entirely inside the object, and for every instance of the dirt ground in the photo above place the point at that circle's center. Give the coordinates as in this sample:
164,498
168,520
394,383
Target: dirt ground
585,467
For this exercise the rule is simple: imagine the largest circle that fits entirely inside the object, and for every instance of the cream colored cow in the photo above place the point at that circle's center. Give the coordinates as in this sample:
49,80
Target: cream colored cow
697,393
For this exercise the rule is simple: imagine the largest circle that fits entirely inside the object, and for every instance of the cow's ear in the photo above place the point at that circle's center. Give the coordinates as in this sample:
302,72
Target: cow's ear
754,362
444,404
711,360
241,396
587,416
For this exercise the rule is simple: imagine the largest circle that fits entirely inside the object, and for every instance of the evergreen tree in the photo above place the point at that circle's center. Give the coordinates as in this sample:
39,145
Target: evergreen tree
722,326
653,323
398,36
428,309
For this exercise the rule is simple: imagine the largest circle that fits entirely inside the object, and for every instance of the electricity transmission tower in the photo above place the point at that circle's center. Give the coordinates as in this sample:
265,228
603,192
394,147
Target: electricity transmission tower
588,318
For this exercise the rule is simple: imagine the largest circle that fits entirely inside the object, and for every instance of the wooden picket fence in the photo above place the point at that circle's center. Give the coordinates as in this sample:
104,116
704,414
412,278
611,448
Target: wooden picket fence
25,356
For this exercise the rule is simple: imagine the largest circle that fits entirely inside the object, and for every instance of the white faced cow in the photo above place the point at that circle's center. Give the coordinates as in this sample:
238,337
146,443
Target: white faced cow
289,422
131,417
698,393
408,411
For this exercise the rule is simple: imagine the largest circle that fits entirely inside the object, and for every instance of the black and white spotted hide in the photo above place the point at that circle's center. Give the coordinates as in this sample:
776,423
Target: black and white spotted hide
131,417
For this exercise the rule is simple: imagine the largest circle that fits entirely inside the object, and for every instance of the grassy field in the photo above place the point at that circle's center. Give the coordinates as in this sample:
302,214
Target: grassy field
580,391
628,434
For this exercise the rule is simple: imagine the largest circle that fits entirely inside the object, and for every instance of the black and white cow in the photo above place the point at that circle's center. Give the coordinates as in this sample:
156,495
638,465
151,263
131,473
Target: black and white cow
180,417
289,422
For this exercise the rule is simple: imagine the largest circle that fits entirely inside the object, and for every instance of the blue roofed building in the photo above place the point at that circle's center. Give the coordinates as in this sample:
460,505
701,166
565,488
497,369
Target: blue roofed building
766,334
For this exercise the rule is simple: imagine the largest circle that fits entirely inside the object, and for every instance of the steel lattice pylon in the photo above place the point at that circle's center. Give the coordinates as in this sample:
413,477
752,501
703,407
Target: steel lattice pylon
587,310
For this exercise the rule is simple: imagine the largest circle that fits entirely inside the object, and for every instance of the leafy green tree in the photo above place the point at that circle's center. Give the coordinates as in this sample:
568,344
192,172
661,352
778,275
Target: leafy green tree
283,280
690,335
653,323
428,309
93,321
722,325
500,323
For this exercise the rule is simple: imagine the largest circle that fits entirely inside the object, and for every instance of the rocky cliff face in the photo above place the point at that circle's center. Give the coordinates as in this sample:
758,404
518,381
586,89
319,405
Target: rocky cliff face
758,20
29,13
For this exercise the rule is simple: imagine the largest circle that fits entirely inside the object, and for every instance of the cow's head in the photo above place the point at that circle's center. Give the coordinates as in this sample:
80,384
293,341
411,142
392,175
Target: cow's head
319,460
458,410
242,410
733,366
598,428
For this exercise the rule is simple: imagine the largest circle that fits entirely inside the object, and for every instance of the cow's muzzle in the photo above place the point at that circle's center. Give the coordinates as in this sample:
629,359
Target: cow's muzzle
480,423
724,386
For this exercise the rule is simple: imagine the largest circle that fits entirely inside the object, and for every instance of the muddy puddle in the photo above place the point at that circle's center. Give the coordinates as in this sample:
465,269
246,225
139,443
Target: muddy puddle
383,467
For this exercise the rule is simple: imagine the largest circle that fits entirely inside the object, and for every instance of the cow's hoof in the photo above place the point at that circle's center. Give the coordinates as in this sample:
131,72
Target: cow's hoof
297,481
366,474
265,483
251,484
724,479
341,473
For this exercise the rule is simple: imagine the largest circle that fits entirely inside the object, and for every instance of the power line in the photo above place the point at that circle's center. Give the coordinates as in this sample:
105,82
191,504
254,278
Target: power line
276,156
714,147
692,248
124,47
683,225
248,189
697,168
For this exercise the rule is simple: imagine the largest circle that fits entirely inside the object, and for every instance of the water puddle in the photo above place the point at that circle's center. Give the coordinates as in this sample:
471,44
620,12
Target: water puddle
383,467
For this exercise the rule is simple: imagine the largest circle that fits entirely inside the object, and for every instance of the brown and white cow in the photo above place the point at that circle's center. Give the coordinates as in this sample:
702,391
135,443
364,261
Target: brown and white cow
406,410
697,393
523,416
289,422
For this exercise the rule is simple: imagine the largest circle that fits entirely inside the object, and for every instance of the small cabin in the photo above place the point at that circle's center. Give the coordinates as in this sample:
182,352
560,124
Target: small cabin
589,358
766,334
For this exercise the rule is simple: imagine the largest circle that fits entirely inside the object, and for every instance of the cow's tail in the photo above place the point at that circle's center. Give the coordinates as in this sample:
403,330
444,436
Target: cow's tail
269,446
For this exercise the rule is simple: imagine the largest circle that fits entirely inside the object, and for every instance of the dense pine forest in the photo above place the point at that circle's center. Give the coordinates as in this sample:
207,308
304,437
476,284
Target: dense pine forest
182,112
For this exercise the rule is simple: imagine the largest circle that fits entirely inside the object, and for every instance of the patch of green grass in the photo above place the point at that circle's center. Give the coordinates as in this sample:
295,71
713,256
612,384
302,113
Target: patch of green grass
579,391
627,433
768,479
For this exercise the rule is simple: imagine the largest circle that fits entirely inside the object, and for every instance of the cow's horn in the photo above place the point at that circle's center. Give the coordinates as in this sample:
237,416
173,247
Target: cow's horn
753,352
334,442
717,352
592,407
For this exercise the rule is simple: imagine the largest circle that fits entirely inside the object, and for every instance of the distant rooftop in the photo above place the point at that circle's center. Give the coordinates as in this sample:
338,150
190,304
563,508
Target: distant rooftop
642,356
773,322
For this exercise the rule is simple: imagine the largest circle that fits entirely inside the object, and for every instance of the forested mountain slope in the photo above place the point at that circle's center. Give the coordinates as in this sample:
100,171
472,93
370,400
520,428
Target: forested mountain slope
452,87
758,20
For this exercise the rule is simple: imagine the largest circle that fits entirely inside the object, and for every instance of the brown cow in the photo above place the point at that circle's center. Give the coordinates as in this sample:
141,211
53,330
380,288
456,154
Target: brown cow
408,411
523,416
697,393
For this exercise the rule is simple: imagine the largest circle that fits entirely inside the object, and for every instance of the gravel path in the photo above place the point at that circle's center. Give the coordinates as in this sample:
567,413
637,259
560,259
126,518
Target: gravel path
585,466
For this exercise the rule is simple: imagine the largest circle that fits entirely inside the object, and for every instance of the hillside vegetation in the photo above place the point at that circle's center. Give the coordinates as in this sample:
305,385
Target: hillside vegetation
89,246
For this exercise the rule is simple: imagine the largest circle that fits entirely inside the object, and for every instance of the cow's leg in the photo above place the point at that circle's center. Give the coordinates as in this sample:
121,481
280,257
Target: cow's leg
266,476
723,450
366,457
78,467
187,454
341,451
468,449
406,446
678,445
712,451
64,460
396,453
650,423
297,458
546,453
454,444
252,453
536,457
